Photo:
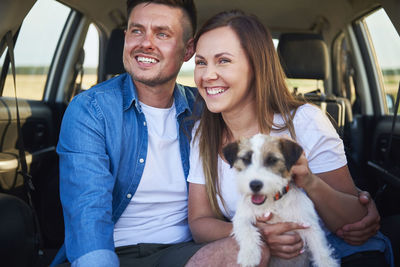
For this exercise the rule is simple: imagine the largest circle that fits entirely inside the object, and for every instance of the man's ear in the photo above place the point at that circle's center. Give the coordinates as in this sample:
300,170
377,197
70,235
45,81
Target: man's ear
189,51
291,151
230,152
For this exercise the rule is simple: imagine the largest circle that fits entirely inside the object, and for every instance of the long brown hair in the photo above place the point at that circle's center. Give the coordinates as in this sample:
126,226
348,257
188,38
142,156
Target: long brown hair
272,94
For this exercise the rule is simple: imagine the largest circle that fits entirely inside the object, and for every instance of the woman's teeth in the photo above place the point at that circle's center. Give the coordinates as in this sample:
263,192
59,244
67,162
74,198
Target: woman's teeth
215,90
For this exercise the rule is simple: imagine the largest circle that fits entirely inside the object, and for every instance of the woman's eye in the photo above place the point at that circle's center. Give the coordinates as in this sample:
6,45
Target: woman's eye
224,60
200,62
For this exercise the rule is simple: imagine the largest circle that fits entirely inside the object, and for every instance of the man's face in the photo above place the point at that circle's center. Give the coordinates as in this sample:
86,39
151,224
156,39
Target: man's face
154,49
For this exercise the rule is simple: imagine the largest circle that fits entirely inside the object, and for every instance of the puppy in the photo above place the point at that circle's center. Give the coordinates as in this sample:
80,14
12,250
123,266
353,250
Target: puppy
263,165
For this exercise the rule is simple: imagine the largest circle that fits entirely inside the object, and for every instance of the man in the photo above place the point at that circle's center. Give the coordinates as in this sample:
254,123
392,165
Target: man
124,153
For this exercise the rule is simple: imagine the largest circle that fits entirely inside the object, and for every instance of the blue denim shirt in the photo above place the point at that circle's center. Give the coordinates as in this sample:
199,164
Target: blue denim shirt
103,140
378,242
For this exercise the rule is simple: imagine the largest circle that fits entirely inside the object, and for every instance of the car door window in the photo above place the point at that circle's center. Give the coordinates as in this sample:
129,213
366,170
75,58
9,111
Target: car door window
34,49
91,59
185,75
386,43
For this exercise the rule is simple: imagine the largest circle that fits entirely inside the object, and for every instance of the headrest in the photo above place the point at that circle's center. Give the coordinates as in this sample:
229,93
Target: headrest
304,56
115,46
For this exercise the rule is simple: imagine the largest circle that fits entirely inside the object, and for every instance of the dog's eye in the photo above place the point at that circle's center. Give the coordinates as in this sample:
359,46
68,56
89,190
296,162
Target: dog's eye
247,158
270,160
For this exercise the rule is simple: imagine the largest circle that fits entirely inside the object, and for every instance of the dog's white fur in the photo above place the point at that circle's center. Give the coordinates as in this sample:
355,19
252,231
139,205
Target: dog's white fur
294,206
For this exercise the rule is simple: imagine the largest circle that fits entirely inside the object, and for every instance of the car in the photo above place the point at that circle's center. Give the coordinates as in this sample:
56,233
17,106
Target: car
341,55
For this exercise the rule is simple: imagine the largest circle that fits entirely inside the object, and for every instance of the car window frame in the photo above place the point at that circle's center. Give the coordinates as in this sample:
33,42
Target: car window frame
370,79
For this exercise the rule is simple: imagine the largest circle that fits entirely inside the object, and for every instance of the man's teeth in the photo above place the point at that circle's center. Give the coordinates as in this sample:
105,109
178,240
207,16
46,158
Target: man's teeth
146,60
214,91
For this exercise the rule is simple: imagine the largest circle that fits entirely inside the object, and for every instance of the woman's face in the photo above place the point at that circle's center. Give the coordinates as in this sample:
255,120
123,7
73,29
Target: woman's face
223,74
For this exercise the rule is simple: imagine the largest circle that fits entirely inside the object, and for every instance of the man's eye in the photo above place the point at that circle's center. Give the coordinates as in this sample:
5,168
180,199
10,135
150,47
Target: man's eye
162,35
136,31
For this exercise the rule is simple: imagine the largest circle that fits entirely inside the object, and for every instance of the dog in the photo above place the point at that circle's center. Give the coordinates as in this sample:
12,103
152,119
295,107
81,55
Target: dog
263,165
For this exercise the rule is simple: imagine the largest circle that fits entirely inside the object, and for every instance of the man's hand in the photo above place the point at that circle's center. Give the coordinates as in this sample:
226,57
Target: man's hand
359,232
281,239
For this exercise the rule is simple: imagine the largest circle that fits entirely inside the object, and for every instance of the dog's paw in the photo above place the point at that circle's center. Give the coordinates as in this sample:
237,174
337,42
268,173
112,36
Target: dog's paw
249,257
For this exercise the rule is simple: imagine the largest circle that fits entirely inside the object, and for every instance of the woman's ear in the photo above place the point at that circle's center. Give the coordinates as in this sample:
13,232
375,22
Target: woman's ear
189,51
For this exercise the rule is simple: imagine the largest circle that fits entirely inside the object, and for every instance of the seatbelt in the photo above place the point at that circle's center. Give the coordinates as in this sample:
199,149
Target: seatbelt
395,111
21,149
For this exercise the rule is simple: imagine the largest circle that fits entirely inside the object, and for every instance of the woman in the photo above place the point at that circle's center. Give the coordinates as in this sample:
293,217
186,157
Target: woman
240,79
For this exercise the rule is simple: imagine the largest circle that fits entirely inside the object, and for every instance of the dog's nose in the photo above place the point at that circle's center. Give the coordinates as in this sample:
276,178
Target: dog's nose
256,185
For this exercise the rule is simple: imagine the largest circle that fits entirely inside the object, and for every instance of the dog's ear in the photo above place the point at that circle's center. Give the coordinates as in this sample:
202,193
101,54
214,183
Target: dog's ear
291,151
230,152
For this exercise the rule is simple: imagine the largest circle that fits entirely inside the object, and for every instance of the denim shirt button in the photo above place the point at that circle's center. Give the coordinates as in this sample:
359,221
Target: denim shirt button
144,123
129,195
141,160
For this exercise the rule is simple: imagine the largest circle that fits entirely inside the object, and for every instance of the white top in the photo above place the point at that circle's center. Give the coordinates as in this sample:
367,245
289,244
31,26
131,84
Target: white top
322,145
157,212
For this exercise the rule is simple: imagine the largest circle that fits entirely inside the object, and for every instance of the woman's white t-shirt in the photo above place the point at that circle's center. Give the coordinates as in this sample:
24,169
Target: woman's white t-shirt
314,132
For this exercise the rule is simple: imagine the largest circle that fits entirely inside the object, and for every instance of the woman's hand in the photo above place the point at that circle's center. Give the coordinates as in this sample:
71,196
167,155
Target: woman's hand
302,174
359,232
281,239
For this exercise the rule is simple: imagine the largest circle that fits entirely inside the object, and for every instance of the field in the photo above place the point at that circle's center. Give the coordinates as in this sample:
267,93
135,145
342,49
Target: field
32,86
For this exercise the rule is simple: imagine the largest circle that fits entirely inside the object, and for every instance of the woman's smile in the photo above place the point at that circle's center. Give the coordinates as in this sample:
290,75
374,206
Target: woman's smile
215,90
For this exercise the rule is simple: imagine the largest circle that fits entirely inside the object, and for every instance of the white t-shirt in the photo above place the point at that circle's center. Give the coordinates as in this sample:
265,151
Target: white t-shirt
157,212
314,132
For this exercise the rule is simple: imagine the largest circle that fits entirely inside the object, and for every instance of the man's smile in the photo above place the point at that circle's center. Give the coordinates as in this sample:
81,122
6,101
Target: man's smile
146,59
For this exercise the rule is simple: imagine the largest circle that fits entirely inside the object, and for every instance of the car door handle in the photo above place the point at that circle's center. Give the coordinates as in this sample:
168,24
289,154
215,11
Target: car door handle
9,162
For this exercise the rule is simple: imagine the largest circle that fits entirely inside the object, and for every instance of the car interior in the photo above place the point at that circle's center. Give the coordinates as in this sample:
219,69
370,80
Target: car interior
343,56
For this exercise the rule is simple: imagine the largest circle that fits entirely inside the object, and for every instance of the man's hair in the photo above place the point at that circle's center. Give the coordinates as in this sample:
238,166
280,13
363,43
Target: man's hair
187,6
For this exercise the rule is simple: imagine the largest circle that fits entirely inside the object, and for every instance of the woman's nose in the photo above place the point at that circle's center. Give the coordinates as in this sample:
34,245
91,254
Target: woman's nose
210,73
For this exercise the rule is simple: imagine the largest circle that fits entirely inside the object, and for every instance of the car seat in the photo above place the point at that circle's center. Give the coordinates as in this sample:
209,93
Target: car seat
305,56
113,59
18,246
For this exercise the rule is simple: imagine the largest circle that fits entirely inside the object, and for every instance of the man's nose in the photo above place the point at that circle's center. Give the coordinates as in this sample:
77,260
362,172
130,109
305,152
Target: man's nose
147,41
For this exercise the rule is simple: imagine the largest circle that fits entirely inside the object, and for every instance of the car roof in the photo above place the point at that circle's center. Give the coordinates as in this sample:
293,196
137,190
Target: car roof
328,16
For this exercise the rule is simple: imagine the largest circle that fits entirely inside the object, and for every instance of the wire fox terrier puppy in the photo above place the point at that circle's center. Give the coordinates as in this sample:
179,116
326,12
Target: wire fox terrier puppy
263,165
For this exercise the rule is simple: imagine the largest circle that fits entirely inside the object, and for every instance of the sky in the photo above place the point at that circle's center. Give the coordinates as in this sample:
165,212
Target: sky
40,38
386,42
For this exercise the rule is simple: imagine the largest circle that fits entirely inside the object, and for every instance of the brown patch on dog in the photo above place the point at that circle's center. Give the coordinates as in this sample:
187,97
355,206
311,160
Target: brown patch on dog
272,157
244,156
278,154
230,152
291,151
